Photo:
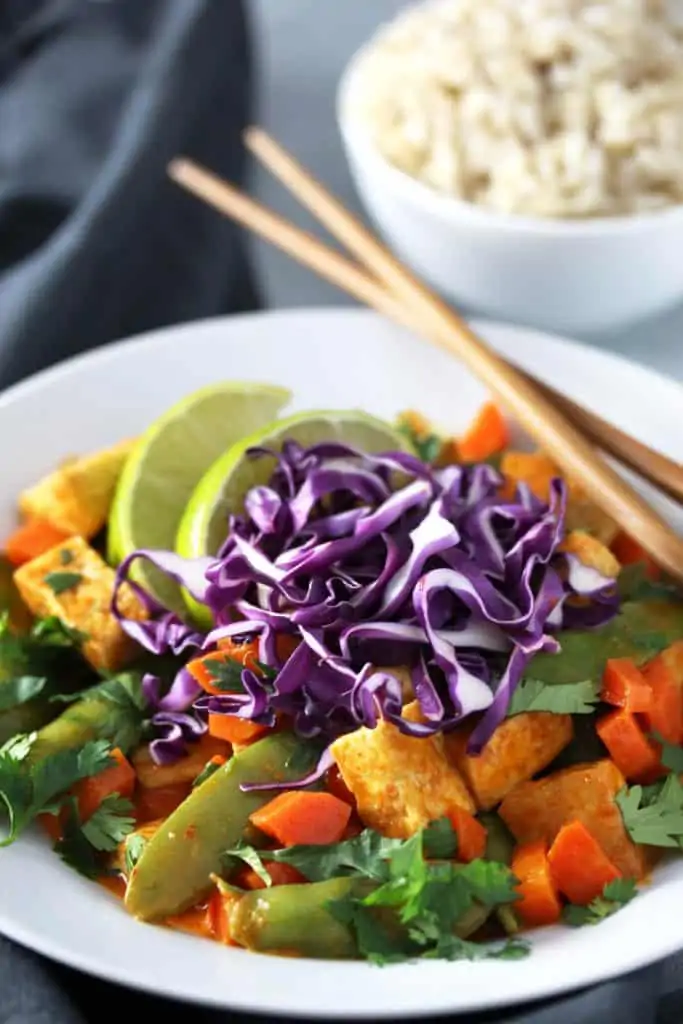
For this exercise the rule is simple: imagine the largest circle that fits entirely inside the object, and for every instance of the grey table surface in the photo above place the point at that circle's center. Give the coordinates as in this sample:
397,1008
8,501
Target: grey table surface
303,48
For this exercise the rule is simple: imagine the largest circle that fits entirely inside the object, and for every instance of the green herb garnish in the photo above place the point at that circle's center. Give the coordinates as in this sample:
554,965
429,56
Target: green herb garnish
135,844
60,582
65,557
615,895
560,698
414,903
653,815
29,789
227,674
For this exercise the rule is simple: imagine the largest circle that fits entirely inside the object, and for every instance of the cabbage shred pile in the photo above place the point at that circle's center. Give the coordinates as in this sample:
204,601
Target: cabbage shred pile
377,560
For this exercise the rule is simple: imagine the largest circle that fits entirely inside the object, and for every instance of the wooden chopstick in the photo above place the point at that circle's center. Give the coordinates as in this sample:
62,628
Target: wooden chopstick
572,450
308,250
663,472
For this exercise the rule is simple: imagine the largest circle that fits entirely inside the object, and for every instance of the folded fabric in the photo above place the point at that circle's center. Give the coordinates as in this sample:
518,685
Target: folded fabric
95,242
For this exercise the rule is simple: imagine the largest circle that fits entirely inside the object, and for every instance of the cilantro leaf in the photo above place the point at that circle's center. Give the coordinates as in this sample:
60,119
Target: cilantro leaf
52,632
125,725
451,947
135,845
427,445
249,856
31,663
110,823
615,895
654,817
73,847
559,698
364,855
60,582
671,755
226,675
28,789
19,690
440,840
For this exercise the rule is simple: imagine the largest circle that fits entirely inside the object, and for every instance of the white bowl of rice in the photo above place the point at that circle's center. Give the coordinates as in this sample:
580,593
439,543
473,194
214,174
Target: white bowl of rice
526,156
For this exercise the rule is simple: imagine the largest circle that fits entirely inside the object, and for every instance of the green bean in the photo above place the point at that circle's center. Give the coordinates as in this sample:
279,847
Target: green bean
174,871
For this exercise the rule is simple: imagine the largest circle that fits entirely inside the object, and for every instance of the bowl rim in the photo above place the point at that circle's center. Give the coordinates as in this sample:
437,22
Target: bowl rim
357,140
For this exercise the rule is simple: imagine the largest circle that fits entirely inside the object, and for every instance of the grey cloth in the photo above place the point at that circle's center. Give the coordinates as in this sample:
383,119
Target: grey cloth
95,242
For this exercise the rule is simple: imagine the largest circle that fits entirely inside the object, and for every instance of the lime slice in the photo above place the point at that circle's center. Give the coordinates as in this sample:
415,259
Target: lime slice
166,464
222,489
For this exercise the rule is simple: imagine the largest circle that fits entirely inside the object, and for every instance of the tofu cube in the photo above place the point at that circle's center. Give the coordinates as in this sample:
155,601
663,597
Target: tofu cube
537,470
584,792
85,604
400,783
591,552
520,747
77,496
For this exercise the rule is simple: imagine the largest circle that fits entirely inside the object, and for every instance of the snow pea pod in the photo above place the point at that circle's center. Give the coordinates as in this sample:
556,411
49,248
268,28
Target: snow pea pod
174,871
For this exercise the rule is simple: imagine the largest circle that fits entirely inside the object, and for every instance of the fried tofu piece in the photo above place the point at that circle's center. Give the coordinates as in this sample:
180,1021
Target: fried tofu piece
400,783
72,582
584,792
77,497
591,552
154,776
537,470
520,747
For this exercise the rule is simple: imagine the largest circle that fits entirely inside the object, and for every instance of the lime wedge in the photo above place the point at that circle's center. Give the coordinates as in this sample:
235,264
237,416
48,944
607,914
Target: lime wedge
166,464
222,489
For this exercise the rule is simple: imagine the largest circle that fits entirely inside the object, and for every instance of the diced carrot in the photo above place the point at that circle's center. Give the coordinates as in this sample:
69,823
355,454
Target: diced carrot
281,874
540,903
354,827
195,921
220,910
236,730
628,551
51,825
337,786
159,802
118,778
486,436
625,686
31,540
303,817
114,884
664,674
580,868
200,668
636,757
470,832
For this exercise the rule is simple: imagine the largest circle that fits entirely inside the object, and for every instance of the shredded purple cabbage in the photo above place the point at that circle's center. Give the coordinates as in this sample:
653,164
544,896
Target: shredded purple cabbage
374,562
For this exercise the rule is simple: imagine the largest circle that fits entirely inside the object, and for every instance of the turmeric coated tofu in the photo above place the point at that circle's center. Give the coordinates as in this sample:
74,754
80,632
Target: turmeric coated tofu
520,747
584,792
72,582
591,552
400,783
537,470
155,776
77,496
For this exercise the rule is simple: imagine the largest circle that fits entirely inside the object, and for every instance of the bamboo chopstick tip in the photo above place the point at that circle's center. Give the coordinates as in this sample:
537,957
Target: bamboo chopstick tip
178,167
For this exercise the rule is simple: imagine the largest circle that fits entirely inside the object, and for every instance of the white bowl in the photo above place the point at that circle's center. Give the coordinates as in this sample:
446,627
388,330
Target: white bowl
568,275
330,359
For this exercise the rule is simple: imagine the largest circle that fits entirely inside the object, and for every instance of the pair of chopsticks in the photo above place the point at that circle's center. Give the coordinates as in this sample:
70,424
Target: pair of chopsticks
565,430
